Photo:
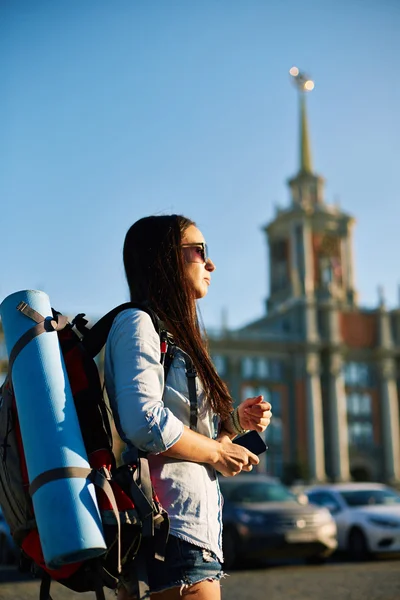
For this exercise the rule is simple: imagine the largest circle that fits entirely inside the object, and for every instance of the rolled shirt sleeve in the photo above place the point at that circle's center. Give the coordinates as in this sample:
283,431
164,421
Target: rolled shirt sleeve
135,384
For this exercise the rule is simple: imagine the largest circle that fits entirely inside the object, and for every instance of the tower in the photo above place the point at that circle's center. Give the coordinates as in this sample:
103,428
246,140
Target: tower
310,242
328,365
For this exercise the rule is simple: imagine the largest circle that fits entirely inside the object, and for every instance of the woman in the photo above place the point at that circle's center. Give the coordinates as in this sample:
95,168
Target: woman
168,269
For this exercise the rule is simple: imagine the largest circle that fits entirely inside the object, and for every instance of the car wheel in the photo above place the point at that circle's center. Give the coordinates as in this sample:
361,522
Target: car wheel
230,542
357,546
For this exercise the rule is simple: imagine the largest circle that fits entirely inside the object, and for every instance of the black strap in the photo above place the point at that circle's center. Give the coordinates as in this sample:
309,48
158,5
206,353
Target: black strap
161,535
102,482
143,473
30,312
98,581
142,578
135,575
59,473
43,324
96,477
55,323
191,375
95,338
44,593
22,342
168,359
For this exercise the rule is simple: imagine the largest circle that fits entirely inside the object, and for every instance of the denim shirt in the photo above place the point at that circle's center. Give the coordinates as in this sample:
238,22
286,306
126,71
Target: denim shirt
152,416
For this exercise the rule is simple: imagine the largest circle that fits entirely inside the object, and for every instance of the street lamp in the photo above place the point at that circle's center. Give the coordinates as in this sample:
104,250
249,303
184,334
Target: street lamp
301,80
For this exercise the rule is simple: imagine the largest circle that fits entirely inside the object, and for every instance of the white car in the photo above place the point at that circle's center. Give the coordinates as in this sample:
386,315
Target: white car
367,516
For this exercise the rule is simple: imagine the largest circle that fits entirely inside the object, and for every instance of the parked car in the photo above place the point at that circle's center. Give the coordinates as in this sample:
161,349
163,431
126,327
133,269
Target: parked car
367,516
263,519
8,549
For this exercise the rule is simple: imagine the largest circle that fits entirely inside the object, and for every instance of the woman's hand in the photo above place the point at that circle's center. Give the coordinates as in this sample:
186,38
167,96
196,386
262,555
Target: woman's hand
255,414
232,458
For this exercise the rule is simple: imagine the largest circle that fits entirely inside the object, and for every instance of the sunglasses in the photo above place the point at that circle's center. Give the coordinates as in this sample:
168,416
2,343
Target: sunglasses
196,252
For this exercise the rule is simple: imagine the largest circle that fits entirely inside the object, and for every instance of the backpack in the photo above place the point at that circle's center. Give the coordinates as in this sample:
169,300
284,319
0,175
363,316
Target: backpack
135,525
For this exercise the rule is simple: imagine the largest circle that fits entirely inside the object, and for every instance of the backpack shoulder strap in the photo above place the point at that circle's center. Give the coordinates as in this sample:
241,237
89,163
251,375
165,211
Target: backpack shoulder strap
95,338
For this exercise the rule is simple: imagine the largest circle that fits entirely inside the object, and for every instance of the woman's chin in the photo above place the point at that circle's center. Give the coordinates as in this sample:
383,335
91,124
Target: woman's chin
201,293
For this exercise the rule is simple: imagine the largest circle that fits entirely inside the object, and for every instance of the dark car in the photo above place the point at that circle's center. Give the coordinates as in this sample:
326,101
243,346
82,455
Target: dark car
263,519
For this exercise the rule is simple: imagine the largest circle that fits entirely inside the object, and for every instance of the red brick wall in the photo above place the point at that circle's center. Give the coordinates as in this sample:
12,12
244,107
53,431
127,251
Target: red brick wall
358,330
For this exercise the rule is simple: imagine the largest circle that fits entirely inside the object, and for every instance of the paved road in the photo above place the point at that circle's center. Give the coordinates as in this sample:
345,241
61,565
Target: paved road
379,580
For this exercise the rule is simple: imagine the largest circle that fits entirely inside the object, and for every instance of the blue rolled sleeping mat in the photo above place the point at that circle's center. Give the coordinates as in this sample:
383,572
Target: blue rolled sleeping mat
66,509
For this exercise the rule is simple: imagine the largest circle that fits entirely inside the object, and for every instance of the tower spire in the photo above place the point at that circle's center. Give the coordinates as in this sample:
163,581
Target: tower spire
305,147
306,187
303,84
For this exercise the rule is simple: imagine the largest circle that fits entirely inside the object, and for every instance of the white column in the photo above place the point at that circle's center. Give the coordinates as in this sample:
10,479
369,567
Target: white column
338,421
389,401
308,258
315,427
390,421
310,316
294,262
344,262
350,258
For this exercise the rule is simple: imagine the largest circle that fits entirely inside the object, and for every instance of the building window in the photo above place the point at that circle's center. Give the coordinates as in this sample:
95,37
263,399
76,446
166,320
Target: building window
276,369
279,268
251,391
359,417
220,364
326,271
357,374
361,434
247,368
261,368
359,404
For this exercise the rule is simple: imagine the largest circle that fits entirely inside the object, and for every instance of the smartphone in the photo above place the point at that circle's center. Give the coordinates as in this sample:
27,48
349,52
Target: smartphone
252,441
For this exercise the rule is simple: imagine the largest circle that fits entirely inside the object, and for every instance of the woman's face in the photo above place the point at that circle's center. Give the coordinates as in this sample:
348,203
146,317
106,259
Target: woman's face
198,266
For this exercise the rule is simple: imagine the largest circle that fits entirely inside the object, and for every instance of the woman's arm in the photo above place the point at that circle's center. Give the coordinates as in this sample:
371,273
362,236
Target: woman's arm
136,384
227,458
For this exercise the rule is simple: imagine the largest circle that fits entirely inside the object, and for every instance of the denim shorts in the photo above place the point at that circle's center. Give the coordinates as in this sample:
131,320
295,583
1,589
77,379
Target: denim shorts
184,565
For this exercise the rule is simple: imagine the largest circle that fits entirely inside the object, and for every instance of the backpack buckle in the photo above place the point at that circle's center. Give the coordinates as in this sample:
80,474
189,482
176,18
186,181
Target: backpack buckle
105,472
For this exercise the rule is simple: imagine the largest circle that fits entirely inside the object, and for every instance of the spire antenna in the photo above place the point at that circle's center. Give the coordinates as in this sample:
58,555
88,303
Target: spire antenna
303,84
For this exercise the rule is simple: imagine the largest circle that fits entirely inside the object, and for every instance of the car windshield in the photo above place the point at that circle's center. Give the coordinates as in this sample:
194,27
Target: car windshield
370,497
256,492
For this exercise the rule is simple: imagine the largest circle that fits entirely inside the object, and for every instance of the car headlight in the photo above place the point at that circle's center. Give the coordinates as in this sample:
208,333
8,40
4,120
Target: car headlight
328,529
248,517
323,516
384,522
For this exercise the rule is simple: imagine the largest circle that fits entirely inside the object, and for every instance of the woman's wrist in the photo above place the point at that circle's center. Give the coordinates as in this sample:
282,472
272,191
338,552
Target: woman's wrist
234,424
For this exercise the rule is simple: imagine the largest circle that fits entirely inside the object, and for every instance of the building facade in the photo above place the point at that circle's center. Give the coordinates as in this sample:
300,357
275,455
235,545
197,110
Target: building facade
329,367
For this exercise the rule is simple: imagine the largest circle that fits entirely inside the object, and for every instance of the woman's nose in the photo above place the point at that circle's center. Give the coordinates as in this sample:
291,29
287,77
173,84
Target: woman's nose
210,265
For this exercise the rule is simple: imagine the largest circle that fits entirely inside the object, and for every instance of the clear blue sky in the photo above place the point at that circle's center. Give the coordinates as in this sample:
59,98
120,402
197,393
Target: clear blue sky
113,110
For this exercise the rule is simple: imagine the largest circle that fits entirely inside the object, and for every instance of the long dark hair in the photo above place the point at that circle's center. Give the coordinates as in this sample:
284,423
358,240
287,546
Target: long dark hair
155,272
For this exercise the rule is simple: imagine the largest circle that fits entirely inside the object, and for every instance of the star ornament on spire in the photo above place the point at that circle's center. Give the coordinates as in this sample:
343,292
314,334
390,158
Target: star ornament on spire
301,80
